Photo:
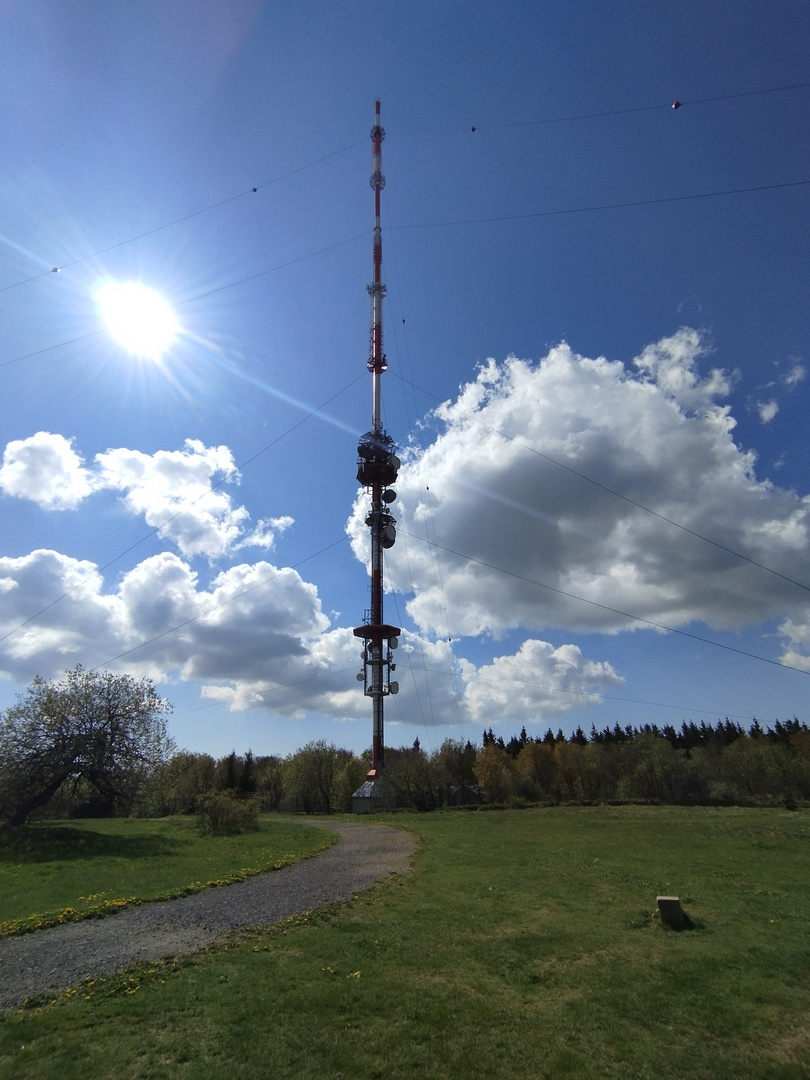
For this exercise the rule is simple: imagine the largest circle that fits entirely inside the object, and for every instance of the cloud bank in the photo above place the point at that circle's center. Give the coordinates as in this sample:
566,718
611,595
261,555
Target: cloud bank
542,499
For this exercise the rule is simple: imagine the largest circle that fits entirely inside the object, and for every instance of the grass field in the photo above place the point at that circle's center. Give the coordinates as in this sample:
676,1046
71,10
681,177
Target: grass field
524,945
59,872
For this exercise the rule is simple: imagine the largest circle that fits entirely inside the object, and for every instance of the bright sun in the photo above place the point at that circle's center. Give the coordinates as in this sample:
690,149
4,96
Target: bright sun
137,317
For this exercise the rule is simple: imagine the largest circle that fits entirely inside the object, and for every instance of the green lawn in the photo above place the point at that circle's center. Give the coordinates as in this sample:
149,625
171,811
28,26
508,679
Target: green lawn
56,872
523,946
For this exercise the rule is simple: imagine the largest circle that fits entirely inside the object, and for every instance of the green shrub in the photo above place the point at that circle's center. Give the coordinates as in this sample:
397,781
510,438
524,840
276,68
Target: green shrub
221,813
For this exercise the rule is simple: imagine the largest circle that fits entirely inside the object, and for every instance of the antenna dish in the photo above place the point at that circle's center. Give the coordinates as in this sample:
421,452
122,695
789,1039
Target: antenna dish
360,676
393,642
394,687
389,495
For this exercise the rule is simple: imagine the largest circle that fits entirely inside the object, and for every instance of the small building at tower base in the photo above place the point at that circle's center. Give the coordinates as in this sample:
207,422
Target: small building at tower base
367,798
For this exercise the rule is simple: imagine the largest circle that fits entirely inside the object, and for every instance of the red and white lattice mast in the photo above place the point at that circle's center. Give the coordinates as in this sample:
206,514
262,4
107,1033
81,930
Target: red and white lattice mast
377,467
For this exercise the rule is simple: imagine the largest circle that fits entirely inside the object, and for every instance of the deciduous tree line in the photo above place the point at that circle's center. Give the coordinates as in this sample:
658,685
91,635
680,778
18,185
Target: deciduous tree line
318,779
695,764
97,744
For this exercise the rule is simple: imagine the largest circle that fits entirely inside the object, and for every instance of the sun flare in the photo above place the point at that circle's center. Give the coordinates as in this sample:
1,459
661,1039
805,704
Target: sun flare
139,319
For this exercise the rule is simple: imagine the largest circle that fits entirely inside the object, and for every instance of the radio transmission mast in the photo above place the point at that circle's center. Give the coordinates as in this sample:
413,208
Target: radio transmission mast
377,468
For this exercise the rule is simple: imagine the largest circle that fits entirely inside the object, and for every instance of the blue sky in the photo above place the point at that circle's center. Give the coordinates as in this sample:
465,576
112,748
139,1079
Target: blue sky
597,362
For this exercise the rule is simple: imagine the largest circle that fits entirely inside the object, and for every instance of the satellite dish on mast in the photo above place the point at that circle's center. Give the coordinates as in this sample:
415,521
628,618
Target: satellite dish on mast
388,536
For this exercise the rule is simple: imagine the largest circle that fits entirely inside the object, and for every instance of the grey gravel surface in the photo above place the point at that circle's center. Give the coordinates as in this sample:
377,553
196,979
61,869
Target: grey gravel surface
61,956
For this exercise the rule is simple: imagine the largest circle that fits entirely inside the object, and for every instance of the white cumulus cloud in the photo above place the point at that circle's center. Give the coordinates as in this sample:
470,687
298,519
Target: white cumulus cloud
177,492
43,637
534,684
47,470
172,490
255,625
549,497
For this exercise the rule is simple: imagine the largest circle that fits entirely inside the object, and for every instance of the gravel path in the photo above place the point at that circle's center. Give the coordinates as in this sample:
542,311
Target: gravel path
61,956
